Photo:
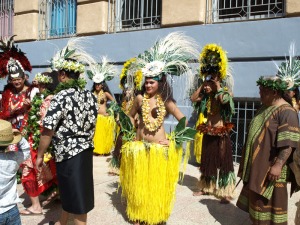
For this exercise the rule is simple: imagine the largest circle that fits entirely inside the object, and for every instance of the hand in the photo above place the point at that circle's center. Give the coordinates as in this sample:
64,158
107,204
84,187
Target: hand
274,172
27,103
216,81
164,142
39,163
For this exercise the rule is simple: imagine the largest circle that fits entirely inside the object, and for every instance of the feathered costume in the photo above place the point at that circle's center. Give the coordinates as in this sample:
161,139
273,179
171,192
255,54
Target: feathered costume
149,172
106,126
216,165
13,63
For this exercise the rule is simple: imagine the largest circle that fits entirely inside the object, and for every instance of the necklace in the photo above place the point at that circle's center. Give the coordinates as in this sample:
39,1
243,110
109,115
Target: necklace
100,97
155,124
212,105
127,105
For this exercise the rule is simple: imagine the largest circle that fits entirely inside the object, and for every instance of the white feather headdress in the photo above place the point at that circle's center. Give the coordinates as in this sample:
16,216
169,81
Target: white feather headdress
104,71
170,55
289,70
72,57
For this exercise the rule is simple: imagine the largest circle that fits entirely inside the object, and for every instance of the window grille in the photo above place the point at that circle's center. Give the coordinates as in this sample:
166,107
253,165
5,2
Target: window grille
6,18
128,15
236,10
244,112
57,18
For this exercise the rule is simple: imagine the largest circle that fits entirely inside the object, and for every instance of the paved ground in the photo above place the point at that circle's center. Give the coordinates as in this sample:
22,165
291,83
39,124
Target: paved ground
188,210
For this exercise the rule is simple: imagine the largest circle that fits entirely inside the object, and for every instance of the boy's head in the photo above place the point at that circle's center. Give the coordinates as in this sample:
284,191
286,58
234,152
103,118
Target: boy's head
8,136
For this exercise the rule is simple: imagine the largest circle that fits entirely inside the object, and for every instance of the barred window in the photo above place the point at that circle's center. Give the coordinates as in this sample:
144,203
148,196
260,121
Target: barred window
6,18
244,112
231,10
125,15
57,18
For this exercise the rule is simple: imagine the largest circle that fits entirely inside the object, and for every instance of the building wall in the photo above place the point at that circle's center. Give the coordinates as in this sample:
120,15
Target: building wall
251,45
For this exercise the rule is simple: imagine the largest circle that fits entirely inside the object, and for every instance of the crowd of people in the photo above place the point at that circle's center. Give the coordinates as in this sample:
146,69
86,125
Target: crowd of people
51,129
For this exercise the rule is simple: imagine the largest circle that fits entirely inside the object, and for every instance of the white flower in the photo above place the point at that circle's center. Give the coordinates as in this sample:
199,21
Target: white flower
153,69
98,78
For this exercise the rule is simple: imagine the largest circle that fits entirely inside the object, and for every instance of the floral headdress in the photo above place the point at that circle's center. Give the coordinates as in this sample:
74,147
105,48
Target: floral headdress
13,61
169,55
213,60
289,70
72,57
131,76
43,79
104,71
273,82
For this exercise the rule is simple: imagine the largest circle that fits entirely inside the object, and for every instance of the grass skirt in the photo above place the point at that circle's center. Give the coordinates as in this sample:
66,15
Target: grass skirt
104,134
149,174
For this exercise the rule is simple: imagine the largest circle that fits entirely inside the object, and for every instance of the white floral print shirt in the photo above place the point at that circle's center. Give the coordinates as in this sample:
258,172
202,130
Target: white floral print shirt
72,116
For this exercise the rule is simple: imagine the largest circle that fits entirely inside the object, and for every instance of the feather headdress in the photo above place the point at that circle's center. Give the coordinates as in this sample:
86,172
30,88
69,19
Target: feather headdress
289,70
72,57
104,71
13,61
170,55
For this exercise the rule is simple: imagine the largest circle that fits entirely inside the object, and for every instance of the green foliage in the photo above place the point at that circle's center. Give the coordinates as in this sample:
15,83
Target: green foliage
126,127
183,133
277,84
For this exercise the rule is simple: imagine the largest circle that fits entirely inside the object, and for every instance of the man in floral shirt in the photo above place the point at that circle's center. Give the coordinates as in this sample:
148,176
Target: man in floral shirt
70,124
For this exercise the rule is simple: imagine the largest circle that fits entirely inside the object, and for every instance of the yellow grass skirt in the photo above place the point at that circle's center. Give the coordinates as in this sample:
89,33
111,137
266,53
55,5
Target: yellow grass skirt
198,139
148,175
104,134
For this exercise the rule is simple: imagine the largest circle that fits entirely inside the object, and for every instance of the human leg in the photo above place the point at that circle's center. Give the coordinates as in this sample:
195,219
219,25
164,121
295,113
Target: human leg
35,207
11,217
80,219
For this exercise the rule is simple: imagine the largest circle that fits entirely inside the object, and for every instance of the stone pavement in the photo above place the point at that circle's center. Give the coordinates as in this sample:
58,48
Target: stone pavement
188,209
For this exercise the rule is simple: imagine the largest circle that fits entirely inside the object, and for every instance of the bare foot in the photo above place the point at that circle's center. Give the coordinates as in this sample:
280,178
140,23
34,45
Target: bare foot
199,193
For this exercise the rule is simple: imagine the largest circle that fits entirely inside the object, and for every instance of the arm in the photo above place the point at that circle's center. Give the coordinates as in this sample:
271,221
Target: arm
134,109
275,170
172,108
197,95
109,96
45,141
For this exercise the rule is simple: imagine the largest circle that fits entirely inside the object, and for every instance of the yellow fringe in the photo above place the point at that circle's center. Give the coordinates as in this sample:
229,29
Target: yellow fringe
104,134
198,139
148,175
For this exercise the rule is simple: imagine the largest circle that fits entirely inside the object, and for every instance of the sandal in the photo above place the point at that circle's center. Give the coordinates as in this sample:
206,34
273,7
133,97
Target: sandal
28,212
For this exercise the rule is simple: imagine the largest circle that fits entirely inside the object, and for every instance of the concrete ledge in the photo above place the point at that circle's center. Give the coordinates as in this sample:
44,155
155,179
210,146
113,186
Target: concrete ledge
292,8
178,13
26,27
81,2
93,22
31,6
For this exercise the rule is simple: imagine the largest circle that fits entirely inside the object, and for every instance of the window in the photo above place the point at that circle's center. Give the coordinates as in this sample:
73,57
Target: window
6,18
244,112
231,10
134,14
57,18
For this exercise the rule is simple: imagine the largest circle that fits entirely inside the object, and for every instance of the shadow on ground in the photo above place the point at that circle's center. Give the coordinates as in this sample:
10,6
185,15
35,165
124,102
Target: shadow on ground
117,201
225,213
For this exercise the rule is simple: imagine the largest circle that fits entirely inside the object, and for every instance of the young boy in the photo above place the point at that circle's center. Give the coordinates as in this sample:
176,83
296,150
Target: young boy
14,149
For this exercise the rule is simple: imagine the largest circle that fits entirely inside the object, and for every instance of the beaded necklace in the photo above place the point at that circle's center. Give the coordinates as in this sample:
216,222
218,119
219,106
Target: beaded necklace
155,124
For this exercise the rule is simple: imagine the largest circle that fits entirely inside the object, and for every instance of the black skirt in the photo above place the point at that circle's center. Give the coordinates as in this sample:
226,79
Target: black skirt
75,182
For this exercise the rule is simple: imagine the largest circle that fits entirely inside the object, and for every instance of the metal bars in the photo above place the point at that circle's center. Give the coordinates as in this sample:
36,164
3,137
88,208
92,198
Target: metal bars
236,10
6,18
57,18
128,15
244,112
